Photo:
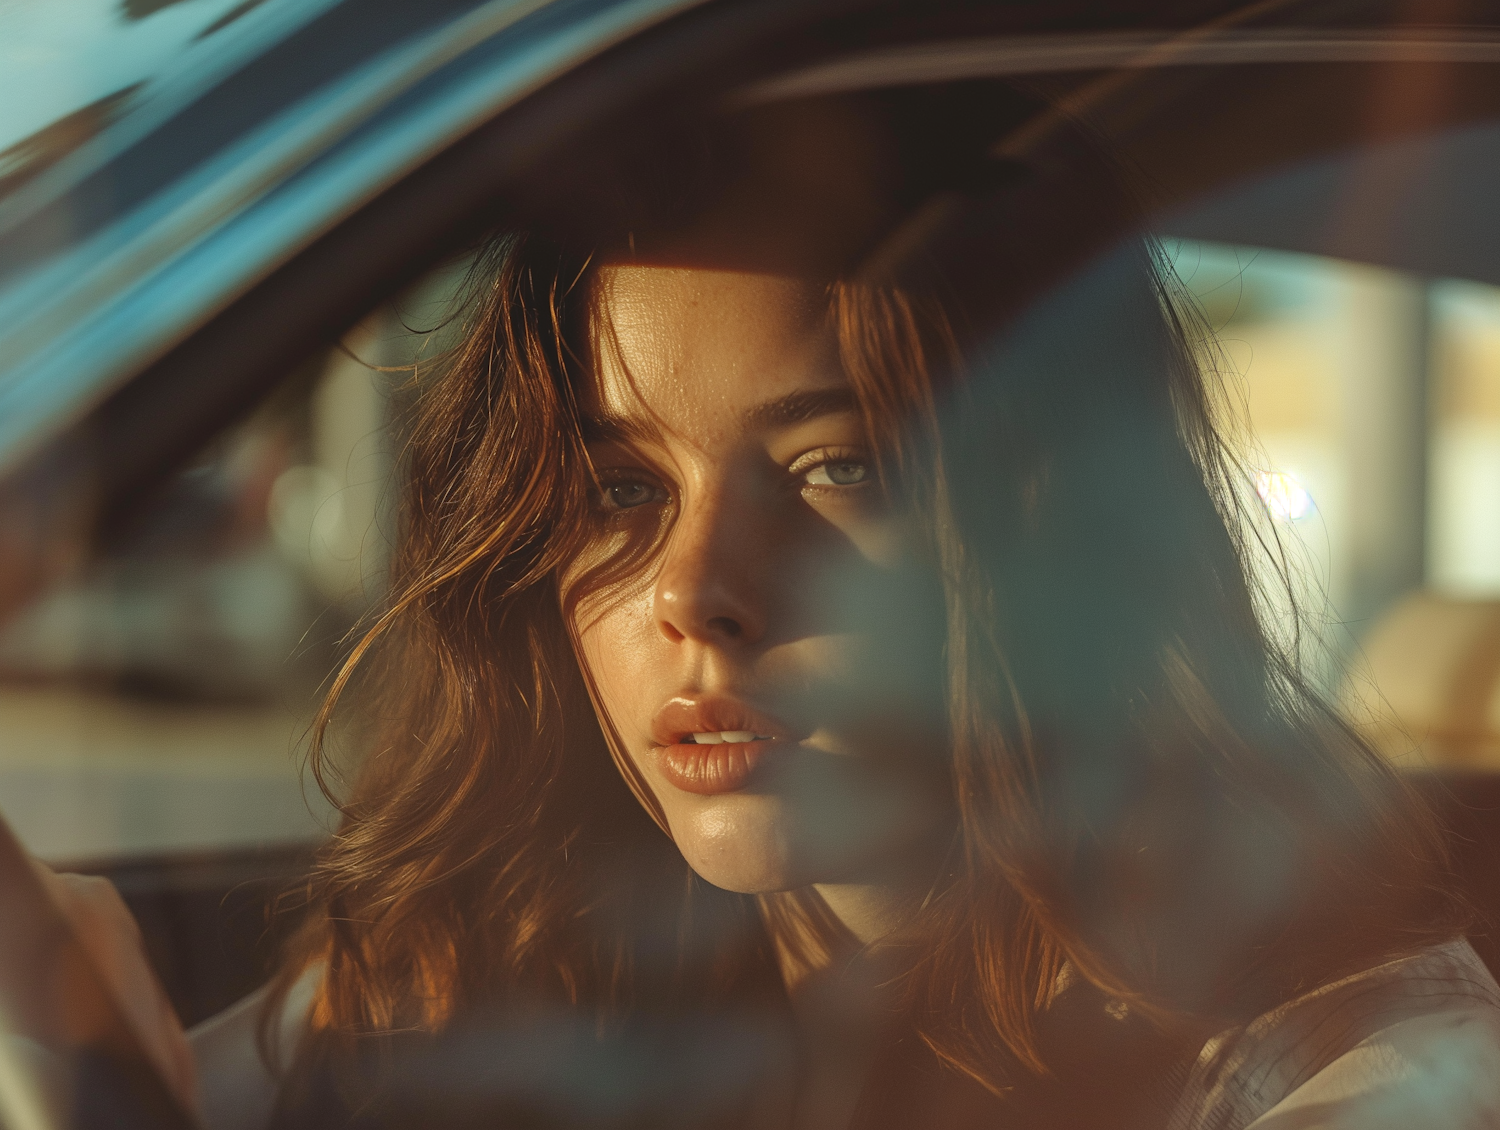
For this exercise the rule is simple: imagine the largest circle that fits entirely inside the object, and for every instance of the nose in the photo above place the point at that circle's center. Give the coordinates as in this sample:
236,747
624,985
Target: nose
711,587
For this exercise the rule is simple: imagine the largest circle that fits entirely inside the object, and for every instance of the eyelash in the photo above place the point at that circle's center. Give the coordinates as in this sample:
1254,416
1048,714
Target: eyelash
826,458
613,481
802,468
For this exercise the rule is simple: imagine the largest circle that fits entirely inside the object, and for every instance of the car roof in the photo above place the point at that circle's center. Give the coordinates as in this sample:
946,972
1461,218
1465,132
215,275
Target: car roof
261,195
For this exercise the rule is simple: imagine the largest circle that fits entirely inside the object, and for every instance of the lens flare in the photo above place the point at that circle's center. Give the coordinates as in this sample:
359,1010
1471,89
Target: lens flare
1284,496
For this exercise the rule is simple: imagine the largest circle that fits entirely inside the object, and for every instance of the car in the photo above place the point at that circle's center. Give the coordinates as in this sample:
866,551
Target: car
214,272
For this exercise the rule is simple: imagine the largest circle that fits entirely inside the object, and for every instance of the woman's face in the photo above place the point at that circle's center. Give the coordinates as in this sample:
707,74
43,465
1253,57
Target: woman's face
773,667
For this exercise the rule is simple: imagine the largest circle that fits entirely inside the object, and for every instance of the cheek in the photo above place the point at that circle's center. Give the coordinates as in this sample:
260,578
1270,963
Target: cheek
876,536
890,657
619,645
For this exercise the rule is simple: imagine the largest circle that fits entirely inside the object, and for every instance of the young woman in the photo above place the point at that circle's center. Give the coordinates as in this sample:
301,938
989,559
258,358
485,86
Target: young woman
824,683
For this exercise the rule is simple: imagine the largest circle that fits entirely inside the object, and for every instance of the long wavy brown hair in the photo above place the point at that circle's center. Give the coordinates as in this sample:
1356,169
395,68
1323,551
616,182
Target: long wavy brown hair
1146,790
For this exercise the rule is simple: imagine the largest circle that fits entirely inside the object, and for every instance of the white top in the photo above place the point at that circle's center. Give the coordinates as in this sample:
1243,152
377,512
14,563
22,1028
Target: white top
236,1089
1414,1043
1410,1045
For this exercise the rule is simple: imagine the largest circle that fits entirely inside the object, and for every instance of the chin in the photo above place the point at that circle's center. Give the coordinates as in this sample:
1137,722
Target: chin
741,844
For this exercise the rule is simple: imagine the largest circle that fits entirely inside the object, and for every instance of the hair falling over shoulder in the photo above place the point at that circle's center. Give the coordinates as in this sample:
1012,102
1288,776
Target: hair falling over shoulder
1146,791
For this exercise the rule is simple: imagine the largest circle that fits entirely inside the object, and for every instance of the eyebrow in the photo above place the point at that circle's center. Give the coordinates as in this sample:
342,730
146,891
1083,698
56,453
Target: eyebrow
612,427
784,411
799,407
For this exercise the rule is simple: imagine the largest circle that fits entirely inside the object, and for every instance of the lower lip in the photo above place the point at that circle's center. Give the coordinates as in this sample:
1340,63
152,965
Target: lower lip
712,769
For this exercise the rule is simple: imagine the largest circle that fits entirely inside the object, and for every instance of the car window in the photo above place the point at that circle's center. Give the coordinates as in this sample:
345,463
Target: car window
1288,325
1367,399
157,697
154,700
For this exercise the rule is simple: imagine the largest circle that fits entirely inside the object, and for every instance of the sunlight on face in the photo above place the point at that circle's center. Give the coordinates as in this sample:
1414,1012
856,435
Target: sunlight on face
768,666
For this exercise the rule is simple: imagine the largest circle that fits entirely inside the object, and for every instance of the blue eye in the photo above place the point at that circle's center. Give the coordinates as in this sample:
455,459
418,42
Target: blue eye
841,473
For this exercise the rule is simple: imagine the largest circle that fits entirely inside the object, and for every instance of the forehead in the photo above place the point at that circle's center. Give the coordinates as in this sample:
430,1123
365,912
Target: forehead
695,350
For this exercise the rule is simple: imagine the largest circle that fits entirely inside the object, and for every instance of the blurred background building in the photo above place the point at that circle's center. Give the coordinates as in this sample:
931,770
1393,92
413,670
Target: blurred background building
159,703
1372,403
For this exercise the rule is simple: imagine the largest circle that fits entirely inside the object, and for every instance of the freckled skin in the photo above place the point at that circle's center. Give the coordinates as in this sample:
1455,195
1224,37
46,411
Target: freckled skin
771,584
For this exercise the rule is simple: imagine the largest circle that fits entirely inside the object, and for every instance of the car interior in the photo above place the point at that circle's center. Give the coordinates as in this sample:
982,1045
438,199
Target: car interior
196,503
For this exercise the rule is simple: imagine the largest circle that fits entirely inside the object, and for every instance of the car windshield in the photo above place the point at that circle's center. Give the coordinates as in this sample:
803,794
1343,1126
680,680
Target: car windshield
629,563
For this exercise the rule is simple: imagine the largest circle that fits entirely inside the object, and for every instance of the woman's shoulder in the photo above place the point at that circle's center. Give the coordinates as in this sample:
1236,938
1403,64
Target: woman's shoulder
1412,1042
237,1088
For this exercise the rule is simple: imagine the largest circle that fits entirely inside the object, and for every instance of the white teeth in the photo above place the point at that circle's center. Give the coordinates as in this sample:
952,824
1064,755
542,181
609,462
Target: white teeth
729,736
708,739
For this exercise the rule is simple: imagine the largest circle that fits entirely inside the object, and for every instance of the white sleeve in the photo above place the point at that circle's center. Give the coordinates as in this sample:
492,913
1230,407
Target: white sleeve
236,1088
1439,1071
